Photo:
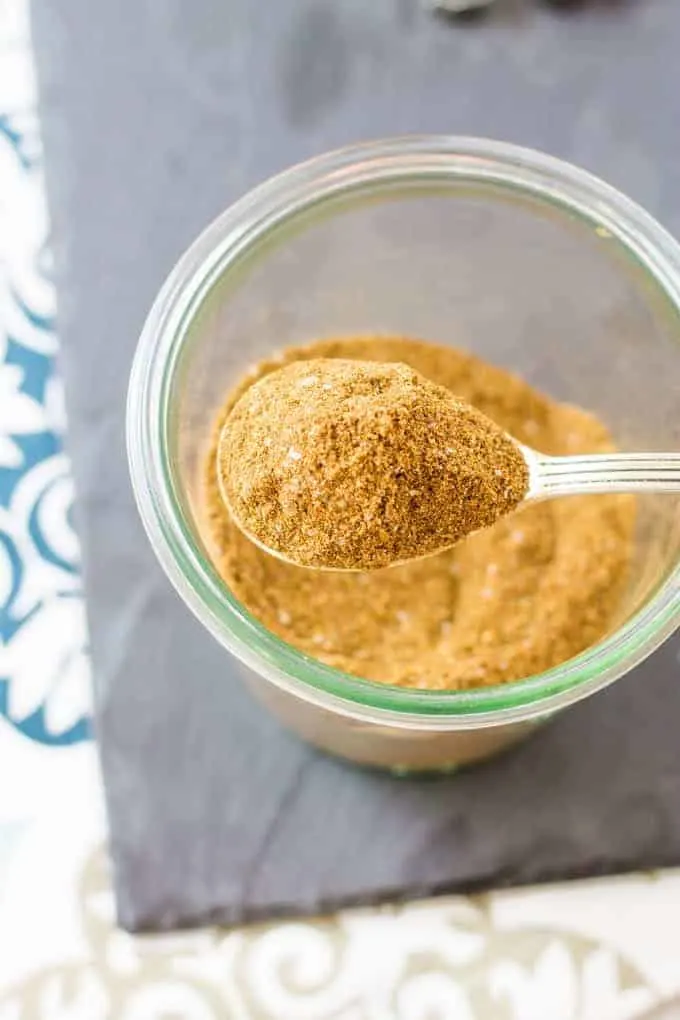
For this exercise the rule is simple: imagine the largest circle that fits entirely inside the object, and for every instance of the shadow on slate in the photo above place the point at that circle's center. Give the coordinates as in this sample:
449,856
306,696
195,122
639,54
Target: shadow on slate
155,116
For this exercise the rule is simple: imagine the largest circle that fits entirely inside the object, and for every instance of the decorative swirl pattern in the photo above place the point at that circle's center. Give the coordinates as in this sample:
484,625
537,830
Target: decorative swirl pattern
44,668
427,961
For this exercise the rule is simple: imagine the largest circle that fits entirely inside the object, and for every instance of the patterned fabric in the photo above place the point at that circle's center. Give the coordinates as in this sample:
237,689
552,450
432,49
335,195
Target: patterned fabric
586,951
45,696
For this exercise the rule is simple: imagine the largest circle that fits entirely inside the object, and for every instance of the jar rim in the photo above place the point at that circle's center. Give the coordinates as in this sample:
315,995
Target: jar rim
234,232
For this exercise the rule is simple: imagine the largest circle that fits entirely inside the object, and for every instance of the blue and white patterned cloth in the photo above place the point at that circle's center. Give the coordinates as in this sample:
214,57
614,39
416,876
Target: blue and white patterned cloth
44,696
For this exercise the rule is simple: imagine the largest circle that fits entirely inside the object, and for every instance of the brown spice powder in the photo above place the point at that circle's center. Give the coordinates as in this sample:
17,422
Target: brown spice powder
512,600
360,465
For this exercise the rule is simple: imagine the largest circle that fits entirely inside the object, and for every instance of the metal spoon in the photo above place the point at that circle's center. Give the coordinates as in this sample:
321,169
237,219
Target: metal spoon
550,477
601,472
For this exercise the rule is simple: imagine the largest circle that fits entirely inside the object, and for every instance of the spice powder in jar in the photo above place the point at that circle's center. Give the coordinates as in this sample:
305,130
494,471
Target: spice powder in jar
358,465
521,596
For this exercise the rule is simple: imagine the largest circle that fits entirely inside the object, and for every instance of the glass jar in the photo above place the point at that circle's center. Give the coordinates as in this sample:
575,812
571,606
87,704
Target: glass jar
527,261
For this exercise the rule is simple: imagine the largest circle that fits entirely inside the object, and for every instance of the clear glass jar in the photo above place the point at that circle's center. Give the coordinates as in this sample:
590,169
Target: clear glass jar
529,262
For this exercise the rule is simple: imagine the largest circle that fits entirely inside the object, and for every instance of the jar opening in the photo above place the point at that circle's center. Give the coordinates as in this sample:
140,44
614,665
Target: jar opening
226,247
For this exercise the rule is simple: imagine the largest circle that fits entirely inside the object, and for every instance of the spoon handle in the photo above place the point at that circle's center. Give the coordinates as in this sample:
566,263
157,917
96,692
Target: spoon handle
606,472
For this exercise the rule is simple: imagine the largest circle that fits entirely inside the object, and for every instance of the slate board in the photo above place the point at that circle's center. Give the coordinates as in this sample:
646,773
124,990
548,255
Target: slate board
155,116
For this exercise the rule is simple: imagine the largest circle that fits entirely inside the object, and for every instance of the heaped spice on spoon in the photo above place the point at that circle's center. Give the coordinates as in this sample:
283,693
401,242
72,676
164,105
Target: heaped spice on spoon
357,465
510,601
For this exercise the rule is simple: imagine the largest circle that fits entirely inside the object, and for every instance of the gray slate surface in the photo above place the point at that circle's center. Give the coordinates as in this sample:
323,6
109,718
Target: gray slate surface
155,116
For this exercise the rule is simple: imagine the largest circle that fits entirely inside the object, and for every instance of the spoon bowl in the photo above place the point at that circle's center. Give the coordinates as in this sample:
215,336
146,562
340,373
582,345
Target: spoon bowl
549,477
